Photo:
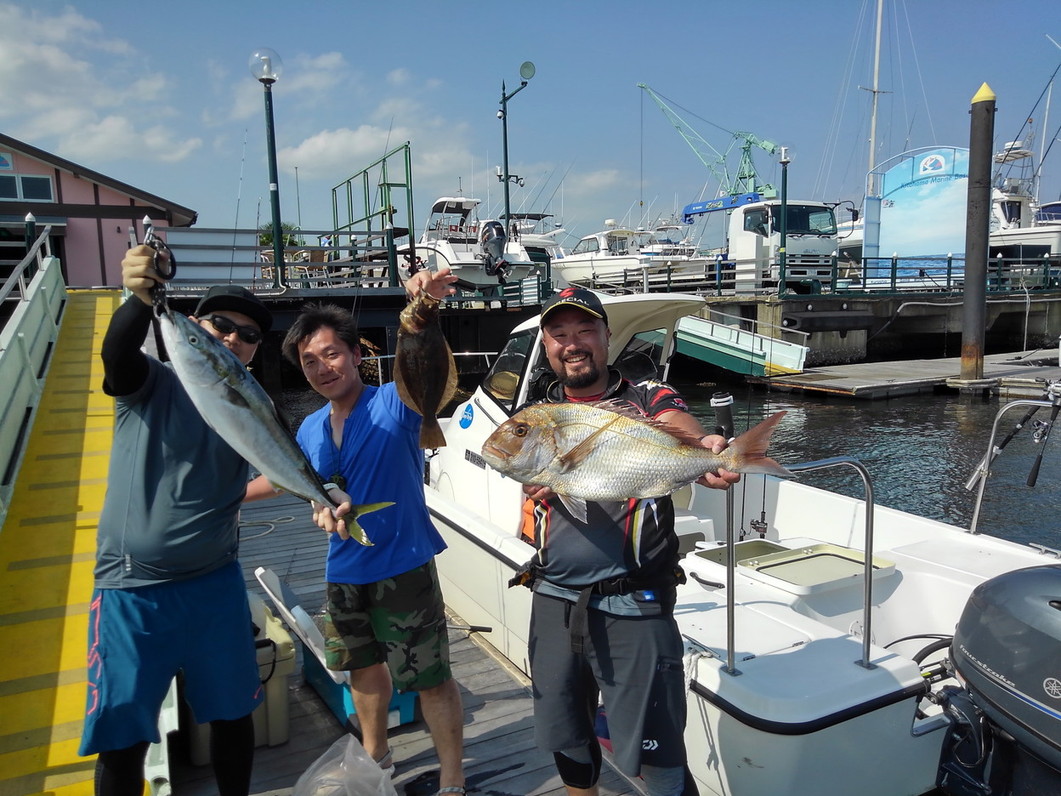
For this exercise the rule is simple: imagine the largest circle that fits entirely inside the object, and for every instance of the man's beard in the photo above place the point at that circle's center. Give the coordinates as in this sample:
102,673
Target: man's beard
583,378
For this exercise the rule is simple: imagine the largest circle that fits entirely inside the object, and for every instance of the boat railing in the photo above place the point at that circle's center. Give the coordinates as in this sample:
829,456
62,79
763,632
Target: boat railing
867,545
479,362
333,260
32,300
758,328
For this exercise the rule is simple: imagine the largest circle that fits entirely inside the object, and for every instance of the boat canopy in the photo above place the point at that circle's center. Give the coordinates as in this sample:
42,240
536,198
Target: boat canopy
448,205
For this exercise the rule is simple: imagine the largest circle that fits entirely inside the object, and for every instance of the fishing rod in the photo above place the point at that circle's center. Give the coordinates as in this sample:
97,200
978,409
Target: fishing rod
1042,432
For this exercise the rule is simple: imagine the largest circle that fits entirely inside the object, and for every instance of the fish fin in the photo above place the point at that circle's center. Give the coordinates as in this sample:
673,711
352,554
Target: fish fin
747,453
431,435
577,454
575,506
403,391
633,413
451,380
357,533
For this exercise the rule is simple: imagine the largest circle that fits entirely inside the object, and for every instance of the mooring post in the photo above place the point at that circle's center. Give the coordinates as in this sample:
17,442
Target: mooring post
977,231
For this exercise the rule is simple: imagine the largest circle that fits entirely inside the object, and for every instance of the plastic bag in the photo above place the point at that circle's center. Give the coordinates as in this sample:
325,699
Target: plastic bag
345,769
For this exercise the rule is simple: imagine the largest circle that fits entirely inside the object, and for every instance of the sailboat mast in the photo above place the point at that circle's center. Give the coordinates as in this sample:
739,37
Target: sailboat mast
876,92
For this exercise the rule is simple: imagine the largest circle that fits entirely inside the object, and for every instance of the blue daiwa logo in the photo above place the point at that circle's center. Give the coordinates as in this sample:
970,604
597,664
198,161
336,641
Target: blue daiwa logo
467,416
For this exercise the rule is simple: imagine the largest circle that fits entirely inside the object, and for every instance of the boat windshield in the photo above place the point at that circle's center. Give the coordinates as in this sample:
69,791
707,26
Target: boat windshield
641,357
586,246
502,382
806,220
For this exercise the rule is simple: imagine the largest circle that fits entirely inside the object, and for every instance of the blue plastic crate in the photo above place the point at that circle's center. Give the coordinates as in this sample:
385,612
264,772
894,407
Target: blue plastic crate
338,699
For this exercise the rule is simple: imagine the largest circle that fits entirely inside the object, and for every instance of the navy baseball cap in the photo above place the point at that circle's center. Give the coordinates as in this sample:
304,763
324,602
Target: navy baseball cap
577,297
236,299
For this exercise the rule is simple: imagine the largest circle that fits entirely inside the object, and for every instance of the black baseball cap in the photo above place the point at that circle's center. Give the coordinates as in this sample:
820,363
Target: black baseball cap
236,299
578,297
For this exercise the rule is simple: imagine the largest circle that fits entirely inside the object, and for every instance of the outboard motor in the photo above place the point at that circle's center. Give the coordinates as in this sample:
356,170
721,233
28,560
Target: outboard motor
1005,735
492,242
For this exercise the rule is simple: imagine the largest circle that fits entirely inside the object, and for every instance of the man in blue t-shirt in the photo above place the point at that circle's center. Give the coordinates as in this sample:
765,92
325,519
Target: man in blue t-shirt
386,621
169,592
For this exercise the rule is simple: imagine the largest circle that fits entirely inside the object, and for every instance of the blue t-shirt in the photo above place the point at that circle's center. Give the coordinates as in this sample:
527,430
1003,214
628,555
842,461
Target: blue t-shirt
381,460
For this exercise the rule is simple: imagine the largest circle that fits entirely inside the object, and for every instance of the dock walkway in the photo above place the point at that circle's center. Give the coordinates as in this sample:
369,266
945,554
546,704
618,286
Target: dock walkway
1013,375
47,552
500,757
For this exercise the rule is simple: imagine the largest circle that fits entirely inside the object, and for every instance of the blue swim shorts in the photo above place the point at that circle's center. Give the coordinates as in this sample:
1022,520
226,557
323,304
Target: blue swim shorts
139,639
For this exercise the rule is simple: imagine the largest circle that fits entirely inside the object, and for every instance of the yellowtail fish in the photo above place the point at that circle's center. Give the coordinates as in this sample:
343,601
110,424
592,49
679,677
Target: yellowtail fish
608,451
235,406
424,371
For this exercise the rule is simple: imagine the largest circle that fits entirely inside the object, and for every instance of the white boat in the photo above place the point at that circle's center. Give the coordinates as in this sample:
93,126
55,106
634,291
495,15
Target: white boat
819,627
1020,226
532,239
455,236
615,254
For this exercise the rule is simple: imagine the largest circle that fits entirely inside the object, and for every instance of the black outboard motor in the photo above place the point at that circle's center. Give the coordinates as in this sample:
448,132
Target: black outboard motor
492,241
1005,736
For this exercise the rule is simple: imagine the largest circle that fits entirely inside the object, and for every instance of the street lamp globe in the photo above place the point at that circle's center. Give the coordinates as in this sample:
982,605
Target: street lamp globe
265,65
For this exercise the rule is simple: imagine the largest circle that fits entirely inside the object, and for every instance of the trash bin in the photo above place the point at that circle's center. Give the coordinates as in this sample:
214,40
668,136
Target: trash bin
276,662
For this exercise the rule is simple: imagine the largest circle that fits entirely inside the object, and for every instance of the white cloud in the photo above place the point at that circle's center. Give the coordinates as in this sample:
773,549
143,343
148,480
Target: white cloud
92,109
115,138
337,154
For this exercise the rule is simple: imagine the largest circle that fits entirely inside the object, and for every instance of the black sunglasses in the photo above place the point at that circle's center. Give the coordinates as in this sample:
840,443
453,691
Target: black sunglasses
248,334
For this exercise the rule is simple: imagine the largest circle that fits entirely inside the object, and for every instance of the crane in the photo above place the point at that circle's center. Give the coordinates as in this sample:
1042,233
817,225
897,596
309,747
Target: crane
746,179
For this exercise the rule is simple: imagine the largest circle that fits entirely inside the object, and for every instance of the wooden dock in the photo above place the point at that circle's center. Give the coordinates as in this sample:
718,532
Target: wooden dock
47,548
1021,374
500,757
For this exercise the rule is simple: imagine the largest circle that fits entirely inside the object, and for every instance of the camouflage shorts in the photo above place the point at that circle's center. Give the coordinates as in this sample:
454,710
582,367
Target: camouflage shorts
400,621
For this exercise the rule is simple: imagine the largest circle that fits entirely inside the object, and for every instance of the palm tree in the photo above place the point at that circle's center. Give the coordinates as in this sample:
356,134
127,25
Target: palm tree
289,230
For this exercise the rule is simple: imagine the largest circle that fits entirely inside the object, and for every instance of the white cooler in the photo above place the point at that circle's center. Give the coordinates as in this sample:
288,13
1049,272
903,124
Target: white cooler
276,661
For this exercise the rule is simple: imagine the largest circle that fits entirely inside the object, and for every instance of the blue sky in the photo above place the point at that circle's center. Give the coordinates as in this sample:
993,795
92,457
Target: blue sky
160,96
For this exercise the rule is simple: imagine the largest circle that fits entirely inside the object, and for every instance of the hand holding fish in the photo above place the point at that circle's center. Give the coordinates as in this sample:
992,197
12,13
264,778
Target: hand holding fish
331,520
139,274
722,478
436,284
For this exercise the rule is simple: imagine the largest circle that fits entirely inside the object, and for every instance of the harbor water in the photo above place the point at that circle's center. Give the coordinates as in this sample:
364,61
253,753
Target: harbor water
919,451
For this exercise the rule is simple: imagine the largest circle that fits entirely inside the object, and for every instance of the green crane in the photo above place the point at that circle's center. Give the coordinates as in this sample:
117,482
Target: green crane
746,179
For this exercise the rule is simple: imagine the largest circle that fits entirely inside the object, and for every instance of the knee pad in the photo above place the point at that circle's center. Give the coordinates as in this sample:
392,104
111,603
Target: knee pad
579,767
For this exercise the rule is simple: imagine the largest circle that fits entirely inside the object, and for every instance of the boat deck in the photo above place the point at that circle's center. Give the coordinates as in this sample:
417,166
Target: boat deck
47,547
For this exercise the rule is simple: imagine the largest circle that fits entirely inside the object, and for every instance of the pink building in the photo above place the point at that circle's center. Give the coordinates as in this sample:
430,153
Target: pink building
90,213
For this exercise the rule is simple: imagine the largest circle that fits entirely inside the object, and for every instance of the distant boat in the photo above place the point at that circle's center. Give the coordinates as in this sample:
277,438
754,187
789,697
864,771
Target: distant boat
455,236
612,253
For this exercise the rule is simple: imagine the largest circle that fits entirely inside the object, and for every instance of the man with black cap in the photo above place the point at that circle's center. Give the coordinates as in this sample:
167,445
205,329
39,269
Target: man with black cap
169,592
604,589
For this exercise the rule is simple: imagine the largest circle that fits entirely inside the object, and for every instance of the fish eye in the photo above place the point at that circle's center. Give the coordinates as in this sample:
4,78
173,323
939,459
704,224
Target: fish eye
520,430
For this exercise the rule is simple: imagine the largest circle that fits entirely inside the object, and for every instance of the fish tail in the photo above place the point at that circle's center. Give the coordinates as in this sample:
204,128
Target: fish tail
431,435
355,513
747,453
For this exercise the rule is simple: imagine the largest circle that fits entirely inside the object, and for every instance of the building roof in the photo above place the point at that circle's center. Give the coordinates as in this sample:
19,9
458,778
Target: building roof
178,215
